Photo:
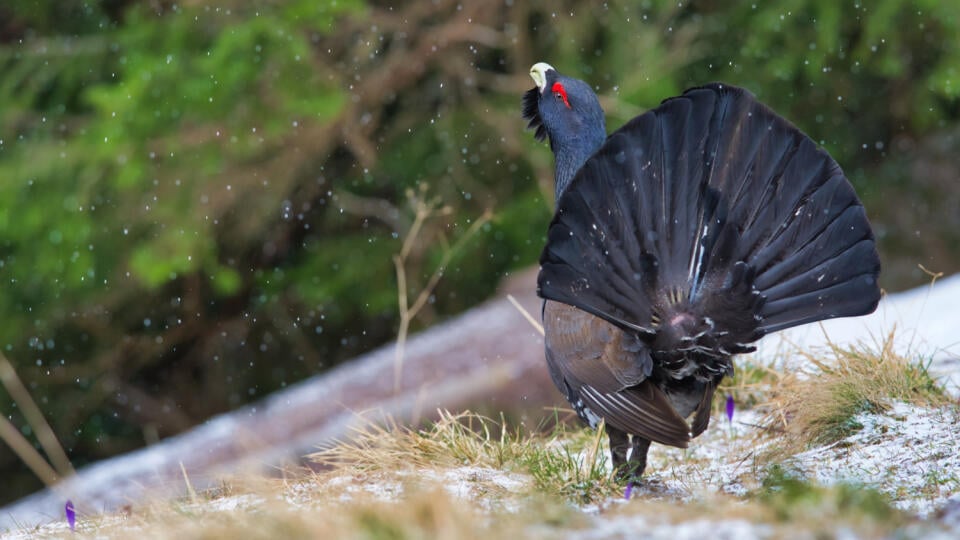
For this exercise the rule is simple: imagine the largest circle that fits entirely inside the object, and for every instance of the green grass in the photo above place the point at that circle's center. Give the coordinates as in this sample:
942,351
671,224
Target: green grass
572,465
793,497
823,510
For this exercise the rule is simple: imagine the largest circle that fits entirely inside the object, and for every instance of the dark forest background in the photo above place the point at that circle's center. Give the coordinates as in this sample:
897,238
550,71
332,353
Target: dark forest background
201,203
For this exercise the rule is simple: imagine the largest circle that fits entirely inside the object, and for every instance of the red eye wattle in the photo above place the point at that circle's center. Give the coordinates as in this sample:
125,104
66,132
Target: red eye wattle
561,93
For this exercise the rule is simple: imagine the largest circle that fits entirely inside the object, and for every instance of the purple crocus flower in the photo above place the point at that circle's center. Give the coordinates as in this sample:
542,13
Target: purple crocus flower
730,407
628,491
71,515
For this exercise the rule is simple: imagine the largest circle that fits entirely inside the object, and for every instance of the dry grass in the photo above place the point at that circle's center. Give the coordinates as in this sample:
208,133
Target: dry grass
395,483
467,476
263,514
570,463
453,439
818,406
425,514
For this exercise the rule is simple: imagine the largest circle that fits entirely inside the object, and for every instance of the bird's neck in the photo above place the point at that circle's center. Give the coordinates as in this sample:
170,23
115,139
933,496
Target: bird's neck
571,154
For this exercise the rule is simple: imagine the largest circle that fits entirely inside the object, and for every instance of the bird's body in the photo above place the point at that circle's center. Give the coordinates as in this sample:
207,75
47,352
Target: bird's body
677,242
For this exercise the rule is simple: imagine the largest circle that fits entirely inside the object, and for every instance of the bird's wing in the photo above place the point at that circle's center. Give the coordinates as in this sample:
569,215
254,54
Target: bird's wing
641,410
594,351
607,369
701,417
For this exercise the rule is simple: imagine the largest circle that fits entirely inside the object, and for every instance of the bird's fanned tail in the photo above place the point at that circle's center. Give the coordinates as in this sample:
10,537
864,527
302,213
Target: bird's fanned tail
708,222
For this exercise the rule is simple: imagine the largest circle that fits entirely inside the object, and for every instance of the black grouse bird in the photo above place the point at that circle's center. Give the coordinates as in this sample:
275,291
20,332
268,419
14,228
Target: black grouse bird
677,242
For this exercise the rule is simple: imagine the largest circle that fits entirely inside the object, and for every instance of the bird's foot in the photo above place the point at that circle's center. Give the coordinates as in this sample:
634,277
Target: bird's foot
630,473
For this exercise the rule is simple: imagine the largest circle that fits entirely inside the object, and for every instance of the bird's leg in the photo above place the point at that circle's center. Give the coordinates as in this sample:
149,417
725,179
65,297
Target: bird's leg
618,448
635,466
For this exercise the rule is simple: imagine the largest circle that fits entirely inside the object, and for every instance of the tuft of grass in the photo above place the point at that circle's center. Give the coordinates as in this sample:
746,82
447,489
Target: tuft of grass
794,499
572,464
750,386
820,407
454,439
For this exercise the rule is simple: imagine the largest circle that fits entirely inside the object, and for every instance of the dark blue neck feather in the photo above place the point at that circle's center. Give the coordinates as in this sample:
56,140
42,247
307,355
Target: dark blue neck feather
571,153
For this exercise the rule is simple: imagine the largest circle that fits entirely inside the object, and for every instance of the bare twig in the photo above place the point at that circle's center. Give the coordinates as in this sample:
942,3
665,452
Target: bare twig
33,414
373,207
933,275
526,314
25,451
424,211
186,480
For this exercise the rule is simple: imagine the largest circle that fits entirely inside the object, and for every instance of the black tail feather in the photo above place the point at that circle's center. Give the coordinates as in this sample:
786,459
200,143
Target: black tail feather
711,204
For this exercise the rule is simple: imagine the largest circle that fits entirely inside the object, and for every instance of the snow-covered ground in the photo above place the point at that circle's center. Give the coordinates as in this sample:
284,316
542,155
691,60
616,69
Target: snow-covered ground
908,453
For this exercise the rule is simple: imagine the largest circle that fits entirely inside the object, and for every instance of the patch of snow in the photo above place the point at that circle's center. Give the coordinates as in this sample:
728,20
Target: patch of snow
352,486
86,526
637,526
909,453
507,481
592,509
950,514
715,461
309,493
472,483
231,503
469,482
53,529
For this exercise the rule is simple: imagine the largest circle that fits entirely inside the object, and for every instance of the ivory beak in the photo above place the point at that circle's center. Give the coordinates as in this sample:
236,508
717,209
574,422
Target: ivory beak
539,74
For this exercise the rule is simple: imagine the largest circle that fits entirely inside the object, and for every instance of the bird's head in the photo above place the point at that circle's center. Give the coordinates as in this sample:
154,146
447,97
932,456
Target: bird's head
568,112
